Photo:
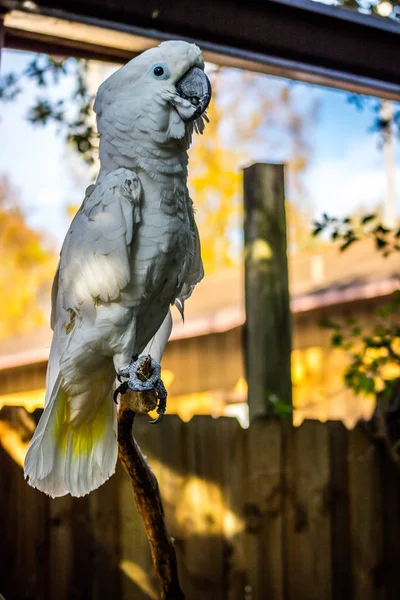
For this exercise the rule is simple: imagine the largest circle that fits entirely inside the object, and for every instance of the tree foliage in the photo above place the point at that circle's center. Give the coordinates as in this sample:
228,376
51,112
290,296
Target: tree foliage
374,367
249,116
27,266
348,230
71,113
374,351
374,354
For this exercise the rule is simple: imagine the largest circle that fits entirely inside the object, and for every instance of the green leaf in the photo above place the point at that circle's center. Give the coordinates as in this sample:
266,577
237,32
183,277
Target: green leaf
381,229
337,339
347,345
347,243
283,409
380,243
368,218
317,231
328,324
386,310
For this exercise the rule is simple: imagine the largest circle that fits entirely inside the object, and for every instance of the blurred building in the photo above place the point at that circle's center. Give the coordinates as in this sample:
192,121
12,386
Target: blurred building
203,364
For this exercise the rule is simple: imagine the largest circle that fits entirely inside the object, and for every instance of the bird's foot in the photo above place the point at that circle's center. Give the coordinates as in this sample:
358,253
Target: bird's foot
143,375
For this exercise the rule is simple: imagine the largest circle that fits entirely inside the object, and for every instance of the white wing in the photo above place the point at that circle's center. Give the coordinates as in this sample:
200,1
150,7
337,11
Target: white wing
94,265
196,271
95,258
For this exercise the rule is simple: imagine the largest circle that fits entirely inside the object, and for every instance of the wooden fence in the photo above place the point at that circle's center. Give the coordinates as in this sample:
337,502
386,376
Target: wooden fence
269,513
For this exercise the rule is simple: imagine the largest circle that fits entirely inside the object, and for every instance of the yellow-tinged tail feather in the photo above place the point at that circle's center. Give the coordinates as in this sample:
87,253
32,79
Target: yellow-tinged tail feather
67,458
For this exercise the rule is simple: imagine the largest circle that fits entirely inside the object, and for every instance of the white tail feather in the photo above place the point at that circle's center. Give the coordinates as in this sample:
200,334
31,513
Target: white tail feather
63,459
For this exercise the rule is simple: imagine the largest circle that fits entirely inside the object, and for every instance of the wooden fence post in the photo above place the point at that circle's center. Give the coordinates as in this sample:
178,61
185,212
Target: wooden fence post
268,320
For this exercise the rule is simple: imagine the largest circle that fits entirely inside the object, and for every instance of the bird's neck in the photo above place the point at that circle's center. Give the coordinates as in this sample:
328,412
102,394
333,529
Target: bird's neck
151,151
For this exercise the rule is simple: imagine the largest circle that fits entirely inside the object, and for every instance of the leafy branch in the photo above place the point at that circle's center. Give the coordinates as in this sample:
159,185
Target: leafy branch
350,229
71,113
382,122
375,355
374,367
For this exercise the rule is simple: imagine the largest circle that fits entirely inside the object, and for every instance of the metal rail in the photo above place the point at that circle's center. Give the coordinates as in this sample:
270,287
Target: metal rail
298,39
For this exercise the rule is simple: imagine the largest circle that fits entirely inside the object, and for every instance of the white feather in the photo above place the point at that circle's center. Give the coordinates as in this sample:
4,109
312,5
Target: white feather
157,344
64,459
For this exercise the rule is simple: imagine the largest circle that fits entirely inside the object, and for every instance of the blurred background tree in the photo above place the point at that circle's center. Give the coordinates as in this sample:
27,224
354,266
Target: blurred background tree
27,266
251,118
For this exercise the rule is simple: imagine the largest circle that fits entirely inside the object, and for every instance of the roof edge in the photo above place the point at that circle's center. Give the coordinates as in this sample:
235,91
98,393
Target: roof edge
230,318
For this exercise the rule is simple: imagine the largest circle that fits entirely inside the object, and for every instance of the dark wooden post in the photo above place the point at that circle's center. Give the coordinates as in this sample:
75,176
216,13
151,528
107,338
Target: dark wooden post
268,320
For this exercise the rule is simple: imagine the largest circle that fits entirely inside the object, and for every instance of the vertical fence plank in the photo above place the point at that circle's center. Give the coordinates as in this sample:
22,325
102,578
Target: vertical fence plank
308,528
172,481
82,572
268,321
365,517
23,517
390,498
61,548
172,475
71,568
233,448
204,553
340,515
7,536
24,550
33,551
105,532
17,570
264,510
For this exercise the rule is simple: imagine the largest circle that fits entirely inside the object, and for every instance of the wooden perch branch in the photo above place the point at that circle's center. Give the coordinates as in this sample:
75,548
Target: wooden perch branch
146,491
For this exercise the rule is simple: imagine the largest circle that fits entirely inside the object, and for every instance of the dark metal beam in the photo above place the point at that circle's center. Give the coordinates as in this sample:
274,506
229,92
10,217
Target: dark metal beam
294,38
1,33
33,42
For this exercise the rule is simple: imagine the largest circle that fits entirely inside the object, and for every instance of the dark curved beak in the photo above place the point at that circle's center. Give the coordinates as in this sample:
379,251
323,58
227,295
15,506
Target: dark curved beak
195,87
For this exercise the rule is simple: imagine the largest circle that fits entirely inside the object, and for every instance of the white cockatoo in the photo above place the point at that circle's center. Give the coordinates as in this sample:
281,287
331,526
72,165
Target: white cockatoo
131,251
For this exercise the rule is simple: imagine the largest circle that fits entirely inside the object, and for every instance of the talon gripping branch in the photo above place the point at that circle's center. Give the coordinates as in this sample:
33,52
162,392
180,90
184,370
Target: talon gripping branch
132,250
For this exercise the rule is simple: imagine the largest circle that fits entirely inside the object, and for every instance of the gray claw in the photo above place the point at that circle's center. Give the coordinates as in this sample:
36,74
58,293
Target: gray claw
162,405
155,421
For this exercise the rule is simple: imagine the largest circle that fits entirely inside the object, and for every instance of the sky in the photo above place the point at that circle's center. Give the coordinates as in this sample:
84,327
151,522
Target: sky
346,171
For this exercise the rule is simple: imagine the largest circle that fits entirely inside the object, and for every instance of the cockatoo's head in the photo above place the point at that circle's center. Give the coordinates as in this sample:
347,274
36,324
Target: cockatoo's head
157,97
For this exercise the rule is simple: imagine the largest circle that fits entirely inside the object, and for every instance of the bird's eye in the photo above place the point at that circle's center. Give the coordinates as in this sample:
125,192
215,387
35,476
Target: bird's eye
160,71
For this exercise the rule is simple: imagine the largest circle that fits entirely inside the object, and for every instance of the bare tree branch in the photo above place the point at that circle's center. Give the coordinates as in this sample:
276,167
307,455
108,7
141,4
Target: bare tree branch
146,491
